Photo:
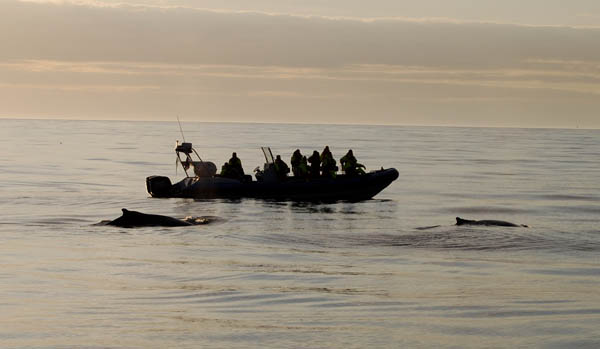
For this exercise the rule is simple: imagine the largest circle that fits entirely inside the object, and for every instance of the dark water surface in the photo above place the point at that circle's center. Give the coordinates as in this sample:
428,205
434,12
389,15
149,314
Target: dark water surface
280,274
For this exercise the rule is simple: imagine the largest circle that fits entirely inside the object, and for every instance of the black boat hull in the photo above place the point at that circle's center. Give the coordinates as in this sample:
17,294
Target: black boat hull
341,188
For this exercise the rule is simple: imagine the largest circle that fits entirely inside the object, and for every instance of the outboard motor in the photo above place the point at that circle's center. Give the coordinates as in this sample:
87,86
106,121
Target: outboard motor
158,186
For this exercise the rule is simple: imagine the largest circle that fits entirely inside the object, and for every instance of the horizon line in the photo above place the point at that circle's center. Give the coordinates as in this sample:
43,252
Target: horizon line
296,123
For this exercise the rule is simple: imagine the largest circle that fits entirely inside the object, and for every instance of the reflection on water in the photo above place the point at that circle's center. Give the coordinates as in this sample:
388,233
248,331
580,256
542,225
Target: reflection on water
280,274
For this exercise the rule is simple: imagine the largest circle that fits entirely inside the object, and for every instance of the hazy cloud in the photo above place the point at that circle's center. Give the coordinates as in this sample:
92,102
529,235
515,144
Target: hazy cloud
530,12
261,66
68,32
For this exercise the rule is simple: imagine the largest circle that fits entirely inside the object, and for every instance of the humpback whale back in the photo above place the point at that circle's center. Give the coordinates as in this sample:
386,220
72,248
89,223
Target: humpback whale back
487,222
138,219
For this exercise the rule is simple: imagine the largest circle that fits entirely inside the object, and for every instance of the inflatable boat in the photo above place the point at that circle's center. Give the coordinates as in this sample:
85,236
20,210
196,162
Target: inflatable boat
206,184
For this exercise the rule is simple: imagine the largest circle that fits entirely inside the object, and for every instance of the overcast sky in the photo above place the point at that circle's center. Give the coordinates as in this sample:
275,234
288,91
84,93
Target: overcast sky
528,63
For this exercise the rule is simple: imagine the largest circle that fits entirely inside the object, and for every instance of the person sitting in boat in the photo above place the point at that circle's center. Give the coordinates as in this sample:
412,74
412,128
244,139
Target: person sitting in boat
295,162
303,168
281,168
227,172
236,165
233,168
350,166
315,164
328,164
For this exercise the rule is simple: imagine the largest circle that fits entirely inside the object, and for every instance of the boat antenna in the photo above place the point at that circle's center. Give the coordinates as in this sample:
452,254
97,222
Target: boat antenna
180,129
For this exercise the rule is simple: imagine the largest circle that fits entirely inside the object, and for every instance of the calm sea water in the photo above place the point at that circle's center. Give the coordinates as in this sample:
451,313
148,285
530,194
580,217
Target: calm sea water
286,275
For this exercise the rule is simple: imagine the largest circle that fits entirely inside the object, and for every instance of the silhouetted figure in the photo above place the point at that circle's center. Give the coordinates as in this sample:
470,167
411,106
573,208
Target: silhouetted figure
281,168
315,164
236,165
328,164
233,168
350,166
227,172
303,168
295,162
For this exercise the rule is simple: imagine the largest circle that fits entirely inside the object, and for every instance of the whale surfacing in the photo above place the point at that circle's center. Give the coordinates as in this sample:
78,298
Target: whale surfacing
487,222
134,219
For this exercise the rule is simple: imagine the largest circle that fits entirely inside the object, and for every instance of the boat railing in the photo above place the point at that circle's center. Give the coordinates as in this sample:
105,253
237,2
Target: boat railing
201,168
268,155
